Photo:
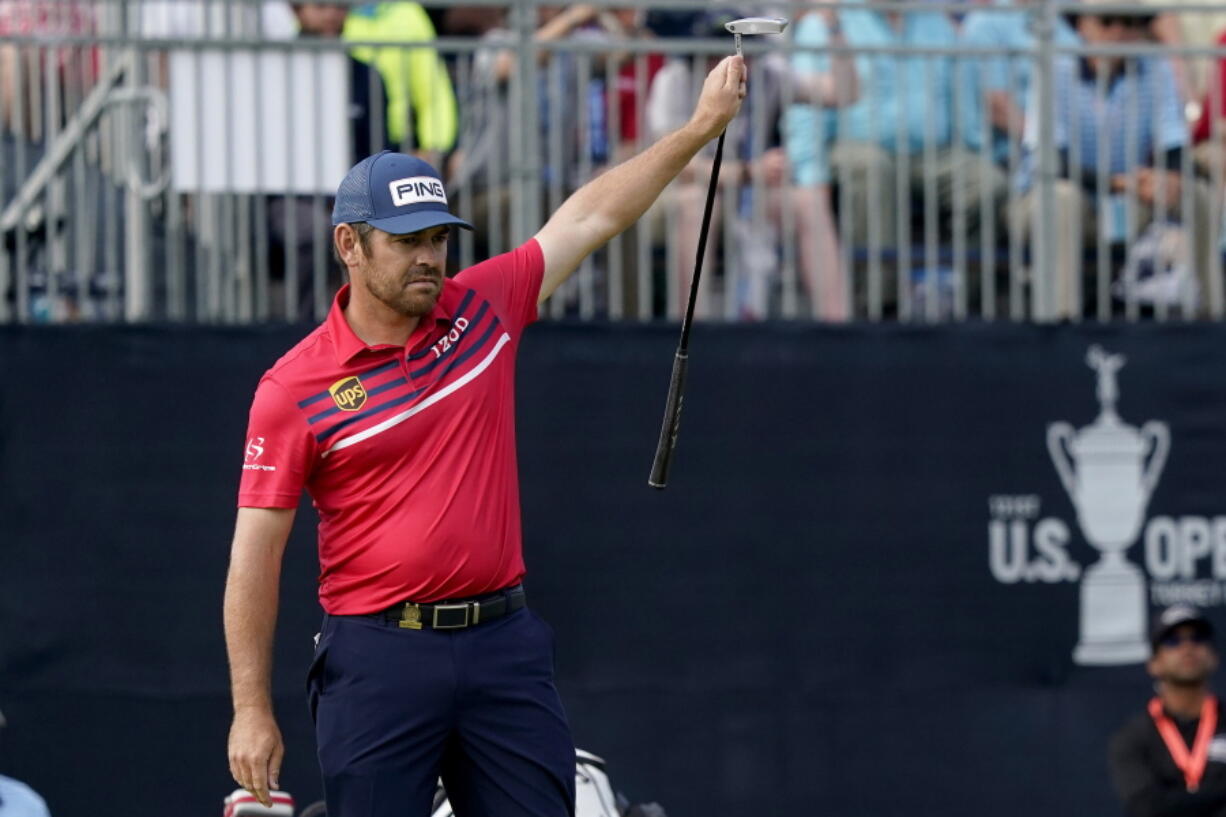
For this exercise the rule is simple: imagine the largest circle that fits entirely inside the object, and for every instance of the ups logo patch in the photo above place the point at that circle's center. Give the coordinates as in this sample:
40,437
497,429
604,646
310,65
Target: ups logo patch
348,394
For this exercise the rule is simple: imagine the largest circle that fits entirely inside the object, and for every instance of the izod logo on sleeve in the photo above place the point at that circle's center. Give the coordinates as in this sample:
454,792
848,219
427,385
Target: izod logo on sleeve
349,394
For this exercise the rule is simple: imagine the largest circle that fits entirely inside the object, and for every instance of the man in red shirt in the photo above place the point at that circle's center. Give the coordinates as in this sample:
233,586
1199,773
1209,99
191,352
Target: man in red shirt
397,416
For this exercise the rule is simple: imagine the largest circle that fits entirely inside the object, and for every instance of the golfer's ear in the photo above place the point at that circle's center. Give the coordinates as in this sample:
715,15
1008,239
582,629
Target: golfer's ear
348,247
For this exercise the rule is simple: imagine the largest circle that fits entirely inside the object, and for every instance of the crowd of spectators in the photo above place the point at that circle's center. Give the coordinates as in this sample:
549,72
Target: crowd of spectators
877,130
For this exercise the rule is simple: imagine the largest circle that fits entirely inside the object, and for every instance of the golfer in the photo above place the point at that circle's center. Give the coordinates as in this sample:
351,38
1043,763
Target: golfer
397,416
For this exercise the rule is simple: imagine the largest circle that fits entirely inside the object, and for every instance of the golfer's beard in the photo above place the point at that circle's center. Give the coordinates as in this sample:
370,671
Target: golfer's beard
393,291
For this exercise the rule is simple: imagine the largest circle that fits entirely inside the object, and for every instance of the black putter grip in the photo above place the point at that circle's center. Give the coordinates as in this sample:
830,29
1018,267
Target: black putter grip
672,423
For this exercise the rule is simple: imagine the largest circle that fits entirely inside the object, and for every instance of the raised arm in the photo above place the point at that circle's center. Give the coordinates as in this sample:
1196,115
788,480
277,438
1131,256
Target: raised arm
255,746
614,200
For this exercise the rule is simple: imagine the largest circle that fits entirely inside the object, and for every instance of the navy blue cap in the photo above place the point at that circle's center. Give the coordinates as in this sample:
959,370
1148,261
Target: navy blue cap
395,193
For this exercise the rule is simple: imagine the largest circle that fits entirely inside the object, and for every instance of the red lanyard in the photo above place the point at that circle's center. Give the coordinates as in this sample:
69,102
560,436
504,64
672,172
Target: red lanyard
1193,763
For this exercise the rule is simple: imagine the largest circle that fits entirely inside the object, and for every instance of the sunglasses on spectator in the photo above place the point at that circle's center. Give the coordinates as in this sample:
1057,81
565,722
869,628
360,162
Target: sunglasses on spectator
1175,639
1126,20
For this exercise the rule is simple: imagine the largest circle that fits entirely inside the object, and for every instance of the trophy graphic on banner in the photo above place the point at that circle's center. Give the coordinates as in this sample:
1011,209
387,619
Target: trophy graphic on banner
1109,469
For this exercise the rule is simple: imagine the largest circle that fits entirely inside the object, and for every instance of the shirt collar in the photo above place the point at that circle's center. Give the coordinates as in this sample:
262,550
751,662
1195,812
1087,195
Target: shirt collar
348,345
1089,75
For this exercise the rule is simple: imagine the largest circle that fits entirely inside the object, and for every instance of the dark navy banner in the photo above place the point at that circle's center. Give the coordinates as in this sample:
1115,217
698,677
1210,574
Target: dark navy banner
895,572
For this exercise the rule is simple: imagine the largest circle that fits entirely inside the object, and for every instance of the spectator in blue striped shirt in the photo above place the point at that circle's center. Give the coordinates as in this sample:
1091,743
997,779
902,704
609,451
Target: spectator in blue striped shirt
1131,107
996,86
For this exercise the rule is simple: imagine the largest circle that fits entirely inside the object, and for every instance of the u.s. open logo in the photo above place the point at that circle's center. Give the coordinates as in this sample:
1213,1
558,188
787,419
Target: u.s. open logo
349,394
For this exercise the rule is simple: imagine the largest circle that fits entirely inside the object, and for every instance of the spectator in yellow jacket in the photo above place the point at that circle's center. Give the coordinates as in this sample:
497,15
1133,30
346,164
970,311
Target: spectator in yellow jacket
415,79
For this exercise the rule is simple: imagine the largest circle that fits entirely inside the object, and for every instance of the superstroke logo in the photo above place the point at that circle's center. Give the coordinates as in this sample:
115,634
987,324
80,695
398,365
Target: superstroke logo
253,452
1109,470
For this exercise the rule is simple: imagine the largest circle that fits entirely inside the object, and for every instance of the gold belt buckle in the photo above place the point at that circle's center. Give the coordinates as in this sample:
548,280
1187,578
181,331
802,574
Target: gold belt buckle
410,616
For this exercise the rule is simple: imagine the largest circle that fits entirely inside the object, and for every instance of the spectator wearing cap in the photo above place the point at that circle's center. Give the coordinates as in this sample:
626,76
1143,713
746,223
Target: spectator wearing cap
1121,138
1171,759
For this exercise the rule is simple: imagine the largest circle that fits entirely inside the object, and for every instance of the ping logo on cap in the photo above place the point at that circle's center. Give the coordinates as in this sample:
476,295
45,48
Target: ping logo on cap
417,190
348,394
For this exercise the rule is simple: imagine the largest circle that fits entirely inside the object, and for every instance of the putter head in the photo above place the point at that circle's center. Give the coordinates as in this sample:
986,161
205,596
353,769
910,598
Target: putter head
757,25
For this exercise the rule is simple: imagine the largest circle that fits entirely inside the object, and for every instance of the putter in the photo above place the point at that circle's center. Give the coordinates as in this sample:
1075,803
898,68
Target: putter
755,25
672,406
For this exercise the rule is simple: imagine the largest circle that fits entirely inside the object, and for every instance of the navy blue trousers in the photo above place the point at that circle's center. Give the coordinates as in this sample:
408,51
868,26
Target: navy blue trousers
397,709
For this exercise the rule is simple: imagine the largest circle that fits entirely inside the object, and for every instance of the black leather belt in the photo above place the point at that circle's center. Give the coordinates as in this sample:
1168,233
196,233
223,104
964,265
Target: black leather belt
455,615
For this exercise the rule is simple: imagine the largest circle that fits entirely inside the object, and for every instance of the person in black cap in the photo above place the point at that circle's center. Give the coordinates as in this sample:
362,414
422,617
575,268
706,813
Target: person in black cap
397,416
1171,759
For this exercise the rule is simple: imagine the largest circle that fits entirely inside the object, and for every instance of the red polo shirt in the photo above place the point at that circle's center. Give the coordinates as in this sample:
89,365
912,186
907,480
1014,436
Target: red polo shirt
408,452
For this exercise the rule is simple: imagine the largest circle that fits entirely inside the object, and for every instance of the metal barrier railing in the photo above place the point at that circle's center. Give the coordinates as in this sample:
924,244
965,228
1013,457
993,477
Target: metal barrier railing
174,161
